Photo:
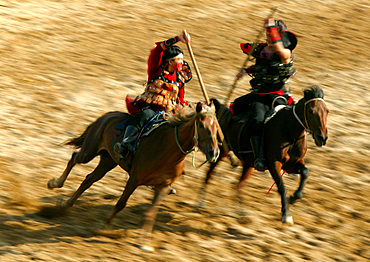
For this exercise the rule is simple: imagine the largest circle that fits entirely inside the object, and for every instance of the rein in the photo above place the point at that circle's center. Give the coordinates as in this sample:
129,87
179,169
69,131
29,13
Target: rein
307,129
196,135
206,137
196,138
178,143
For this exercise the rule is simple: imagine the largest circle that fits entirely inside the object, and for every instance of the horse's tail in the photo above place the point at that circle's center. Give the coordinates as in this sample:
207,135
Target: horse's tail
78,141
96,129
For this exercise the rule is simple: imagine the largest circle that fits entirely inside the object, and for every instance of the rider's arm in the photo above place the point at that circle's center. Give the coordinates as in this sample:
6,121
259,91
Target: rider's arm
274,39
181,96
155,57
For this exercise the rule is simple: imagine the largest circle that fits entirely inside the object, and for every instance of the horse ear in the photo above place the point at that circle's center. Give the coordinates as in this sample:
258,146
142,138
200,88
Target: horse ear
199,107
212,105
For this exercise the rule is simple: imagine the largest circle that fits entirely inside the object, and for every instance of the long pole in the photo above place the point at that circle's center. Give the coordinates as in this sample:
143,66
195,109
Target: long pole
196,68
221,135
273,10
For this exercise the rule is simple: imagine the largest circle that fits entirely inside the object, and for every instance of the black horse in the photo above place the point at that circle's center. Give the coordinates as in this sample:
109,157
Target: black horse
285,142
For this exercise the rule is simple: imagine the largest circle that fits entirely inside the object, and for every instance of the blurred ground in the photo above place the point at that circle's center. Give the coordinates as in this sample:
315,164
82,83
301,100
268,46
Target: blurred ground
64,63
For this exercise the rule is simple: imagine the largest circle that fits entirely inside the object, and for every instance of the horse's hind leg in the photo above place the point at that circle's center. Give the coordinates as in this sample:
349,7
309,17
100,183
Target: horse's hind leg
105,165
304,172
85,155
58,182
247,172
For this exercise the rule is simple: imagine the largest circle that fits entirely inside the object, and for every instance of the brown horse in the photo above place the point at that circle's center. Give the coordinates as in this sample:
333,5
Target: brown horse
158,160
285,143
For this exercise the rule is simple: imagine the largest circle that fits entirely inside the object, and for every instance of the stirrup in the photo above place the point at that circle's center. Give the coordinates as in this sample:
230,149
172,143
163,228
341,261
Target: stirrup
118,149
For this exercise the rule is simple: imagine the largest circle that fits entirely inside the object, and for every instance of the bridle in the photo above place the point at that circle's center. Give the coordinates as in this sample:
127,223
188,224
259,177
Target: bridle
307,126
196,137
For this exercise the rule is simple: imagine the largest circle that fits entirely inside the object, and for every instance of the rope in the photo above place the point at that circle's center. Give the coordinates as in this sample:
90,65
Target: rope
178,143
196,140
274,183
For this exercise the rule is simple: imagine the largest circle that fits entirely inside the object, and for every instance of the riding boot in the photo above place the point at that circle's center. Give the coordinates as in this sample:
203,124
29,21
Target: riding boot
257,146
122,149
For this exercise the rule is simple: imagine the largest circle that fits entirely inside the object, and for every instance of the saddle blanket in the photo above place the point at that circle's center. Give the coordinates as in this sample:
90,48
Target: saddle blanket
156,121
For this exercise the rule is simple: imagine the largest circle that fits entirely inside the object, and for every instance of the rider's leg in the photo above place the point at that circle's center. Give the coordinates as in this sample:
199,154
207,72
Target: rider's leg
259,162
135,124
259,111
123,148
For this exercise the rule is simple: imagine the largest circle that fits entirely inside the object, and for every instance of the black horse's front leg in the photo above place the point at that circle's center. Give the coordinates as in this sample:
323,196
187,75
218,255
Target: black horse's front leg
304,173
275,171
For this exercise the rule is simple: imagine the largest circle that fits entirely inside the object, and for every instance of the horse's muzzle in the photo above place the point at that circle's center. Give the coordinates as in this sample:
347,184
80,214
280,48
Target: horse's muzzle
212,155
320,140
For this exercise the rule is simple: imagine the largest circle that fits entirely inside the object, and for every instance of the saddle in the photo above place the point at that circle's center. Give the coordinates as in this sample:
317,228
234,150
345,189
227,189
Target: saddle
245,119
156,121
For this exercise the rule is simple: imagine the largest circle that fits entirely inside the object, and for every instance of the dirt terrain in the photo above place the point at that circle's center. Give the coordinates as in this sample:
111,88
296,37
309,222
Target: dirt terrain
64,63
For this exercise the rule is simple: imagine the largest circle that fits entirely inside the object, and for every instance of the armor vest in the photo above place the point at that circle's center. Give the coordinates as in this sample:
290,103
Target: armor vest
269,73
161,93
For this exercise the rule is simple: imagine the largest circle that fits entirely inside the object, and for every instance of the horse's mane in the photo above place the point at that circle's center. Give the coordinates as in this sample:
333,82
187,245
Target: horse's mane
187,113
313,92
223,113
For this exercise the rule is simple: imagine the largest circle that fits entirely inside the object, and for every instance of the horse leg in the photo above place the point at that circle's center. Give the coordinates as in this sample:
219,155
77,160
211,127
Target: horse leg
85,155
150,216
131,185
58,182
203,191
275,170
304,172
246,173
105,165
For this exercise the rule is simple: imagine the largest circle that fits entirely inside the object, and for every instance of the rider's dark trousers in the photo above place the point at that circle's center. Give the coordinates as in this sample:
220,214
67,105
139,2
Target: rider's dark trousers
259,111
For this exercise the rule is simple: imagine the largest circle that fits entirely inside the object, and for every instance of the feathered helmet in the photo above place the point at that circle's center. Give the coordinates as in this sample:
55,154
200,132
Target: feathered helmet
289,38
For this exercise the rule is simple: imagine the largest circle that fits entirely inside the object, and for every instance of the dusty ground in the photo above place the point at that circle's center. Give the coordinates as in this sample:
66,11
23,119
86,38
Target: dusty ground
64,63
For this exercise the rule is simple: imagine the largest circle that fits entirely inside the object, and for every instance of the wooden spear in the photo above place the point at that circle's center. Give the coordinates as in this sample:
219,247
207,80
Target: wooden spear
220,134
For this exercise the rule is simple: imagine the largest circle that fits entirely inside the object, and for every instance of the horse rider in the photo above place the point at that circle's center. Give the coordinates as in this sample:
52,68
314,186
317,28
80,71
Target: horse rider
272,69
165,89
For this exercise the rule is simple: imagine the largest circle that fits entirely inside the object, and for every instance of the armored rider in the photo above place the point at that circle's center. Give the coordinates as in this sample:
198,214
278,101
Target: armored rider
167,75
272,69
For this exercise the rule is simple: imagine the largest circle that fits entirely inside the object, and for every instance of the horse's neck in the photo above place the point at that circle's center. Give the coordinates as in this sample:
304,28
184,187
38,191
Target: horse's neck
224,117
297,123
186,133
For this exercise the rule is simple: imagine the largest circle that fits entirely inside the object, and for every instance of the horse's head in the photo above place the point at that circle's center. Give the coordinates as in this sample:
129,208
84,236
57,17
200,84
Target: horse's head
315,115
207,127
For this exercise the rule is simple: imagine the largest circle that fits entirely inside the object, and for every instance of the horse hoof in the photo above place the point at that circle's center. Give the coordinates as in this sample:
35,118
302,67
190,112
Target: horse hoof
147,248
298,195
292,200
52,183
288,220
172,191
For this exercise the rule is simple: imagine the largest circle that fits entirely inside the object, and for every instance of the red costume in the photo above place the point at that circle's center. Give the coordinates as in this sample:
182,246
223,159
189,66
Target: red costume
164,89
